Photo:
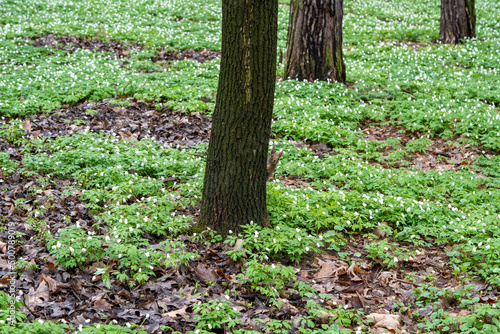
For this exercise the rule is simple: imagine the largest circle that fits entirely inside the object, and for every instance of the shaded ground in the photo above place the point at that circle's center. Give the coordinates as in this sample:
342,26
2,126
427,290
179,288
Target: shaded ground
52,292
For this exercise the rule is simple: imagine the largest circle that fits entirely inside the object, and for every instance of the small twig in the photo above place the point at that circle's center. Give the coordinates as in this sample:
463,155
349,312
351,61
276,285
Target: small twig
402,280
323,277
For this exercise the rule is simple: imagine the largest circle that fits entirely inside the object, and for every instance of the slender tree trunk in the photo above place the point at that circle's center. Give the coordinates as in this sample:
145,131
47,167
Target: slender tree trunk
234,188
458,20
314,43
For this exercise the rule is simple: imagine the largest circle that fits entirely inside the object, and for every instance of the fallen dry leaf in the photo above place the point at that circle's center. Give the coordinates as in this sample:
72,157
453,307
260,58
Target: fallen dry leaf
102,305
205,273
52,283
176,313
238,244
27,125
325,271
391,322
41,295
353,270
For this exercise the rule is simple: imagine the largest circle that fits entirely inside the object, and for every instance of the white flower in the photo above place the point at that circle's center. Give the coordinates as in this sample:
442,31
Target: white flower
71,249
396,259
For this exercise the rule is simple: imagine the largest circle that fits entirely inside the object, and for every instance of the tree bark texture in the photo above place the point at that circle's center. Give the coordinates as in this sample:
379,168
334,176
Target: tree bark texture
314,43
458,20
234,188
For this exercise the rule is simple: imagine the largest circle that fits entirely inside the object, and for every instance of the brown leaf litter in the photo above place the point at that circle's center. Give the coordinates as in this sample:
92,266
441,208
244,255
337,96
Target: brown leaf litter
118,48
52,292
136,120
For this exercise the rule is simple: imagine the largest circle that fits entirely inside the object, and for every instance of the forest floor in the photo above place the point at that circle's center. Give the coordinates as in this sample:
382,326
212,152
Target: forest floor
385,206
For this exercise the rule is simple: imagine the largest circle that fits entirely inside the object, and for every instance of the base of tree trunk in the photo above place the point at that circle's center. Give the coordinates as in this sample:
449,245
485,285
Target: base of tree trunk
234,187
314,43
458,21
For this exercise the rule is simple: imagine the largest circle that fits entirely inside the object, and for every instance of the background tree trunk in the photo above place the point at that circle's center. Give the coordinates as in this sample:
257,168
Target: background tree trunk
314,43
234,188
458,20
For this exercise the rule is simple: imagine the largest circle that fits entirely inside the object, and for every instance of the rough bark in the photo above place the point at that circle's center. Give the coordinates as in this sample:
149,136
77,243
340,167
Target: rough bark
314,43
458,20
234,188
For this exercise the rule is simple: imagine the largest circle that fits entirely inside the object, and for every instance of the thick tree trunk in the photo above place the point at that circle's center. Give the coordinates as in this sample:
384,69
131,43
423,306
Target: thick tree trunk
234,188
314,43
458,20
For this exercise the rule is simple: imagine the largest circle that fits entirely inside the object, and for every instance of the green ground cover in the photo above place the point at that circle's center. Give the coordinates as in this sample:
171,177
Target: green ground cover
399,77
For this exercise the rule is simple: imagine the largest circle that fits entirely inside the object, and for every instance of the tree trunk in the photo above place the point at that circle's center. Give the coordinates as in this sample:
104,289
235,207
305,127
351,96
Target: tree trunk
458,20
314,43
234,188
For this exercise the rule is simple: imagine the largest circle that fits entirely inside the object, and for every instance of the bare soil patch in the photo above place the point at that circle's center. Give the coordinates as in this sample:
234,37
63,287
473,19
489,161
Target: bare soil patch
137,120
73,43
52,292
199,56
442,154
118,48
